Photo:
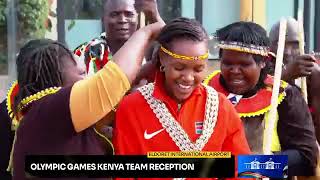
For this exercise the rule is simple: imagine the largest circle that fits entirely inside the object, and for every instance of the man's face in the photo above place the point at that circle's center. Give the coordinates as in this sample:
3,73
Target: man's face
291,49
120,19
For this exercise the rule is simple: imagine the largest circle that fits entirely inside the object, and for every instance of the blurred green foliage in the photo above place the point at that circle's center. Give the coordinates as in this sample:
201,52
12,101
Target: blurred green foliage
83,9
32,16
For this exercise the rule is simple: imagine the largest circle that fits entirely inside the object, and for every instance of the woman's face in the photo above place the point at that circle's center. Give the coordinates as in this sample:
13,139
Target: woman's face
240,71
183,76
72,70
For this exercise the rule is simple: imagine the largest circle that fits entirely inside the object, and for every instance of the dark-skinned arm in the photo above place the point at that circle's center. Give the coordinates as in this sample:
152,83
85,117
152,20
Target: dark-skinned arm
93,98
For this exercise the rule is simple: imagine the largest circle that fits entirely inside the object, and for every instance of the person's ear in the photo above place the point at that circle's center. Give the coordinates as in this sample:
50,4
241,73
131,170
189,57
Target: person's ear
262,64
161,57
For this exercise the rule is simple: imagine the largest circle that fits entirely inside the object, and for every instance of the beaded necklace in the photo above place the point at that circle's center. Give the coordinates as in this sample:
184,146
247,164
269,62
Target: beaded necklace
22,105
28,100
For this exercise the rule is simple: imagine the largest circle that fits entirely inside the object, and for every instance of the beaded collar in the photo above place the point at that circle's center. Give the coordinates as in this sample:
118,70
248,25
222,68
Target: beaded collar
28,100
255,105
11,94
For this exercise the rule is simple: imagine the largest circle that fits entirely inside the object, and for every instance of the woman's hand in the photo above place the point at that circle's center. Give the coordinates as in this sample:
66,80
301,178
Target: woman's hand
130,55
150,9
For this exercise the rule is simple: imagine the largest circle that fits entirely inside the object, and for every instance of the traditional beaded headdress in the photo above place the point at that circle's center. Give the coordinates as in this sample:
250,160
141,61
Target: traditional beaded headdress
247,48
247,37
183,57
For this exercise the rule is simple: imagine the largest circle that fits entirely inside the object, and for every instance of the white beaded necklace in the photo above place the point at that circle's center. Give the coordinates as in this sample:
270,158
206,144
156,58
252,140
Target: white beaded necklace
173,128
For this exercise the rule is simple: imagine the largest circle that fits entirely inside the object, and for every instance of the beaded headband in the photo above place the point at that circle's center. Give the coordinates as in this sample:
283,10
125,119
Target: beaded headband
247,48
178,56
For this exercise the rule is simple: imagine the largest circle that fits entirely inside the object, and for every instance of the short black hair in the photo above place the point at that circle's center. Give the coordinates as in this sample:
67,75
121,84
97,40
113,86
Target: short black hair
248,33
182,28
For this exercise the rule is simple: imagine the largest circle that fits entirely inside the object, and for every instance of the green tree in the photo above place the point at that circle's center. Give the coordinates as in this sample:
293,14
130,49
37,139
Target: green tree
31,16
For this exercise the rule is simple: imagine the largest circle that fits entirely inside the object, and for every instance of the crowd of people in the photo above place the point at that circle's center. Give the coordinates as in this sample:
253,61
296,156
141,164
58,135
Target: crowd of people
134,90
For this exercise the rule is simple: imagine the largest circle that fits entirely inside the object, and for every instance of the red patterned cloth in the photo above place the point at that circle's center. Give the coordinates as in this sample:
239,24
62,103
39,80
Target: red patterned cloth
95,54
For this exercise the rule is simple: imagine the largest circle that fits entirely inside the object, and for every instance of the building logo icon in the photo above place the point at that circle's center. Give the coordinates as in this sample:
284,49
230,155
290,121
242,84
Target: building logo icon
255,164
262,166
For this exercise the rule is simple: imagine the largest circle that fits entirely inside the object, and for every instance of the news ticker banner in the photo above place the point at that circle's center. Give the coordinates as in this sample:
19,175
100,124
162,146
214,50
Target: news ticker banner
153,165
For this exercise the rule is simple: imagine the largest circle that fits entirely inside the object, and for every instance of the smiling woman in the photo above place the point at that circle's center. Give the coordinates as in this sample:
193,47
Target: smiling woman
183,76
243,79
177,112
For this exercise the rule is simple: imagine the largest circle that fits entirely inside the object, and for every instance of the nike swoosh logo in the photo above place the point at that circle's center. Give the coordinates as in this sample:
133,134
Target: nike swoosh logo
149,136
